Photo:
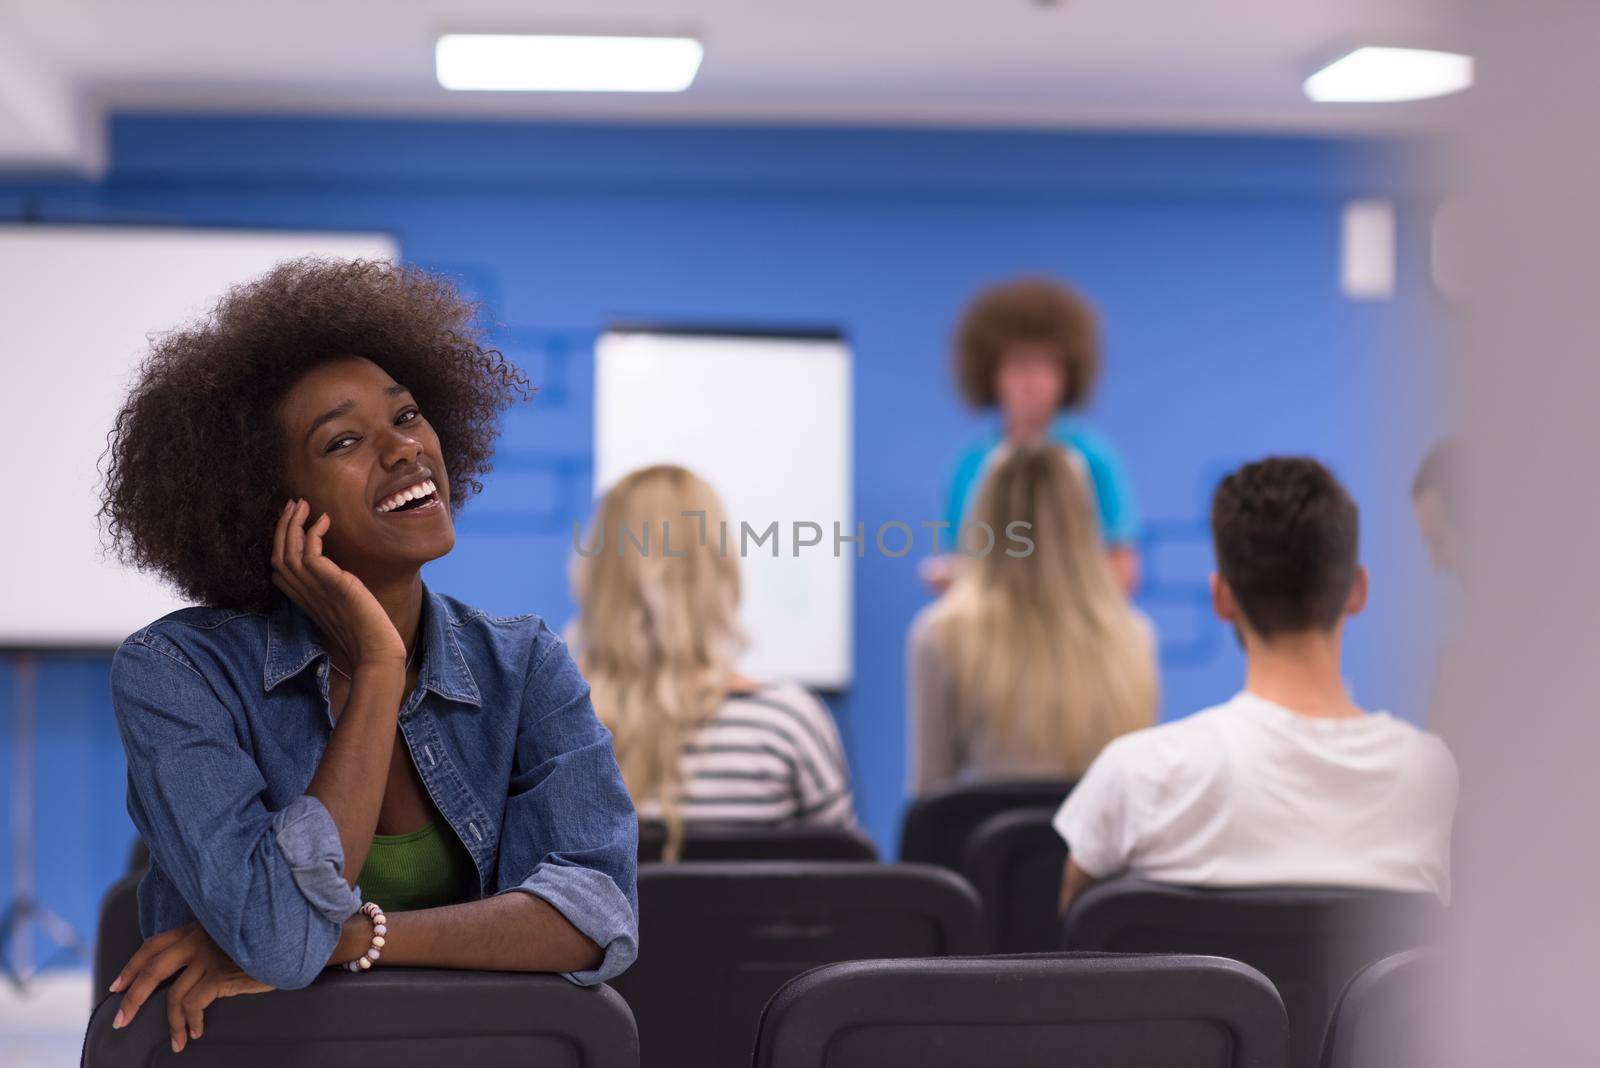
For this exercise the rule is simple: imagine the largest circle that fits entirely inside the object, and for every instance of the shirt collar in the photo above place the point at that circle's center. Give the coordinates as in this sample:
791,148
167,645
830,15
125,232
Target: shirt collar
292,646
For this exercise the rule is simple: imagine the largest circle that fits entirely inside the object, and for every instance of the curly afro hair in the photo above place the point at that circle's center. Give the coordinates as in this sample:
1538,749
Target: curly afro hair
1026,311
195,478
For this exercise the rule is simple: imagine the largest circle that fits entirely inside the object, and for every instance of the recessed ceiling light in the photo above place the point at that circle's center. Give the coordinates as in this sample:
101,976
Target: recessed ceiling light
1374,74
566,64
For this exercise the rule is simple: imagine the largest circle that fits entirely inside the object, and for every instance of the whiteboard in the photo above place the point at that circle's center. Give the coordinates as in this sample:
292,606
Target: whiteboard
766,421
77,305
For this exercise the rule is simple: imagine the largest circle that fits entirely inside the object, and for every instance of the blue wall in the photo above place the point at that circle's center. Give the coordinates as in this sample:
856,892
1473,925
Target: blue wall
1213,259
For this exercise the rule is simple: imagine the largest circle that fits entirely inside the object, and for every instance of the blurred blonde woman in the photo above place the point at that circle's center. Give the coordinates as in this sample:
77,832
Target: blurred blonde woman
657,636
1029,664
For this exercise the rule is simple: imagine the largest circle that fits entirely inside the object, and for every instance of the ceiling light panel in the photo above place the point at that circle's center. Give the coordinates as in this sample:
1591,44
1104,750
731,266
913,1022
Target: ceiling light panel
1374,75
566,63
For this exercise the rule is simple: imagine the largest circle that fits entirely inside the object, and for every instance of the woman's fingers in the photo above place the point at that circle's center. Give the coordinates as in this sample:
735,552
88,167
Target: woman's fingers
283,563
213,986
280,532
321,576
302,585
198,996
315,561
332,578
294,541
178,995
329,574
291,589
152,945
292,585
195,1002
242,984
283,586
154,973
337,601
314,536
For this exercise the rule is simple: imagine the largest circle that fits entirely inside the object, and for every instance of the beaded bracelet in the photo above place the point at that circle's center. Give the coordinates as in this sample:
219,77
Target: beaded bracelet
380,927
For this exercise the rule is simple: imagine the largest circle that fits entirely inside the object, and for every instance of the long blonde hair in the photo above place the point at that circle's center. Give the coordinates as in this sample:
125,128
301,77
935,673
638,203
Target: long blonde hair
1044,648
657,631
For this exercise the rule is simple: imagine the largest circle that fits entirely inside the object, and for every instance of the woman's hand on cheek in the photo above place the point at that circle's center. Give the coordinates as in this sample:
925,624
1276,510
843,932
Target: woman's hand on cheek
340,604
207,974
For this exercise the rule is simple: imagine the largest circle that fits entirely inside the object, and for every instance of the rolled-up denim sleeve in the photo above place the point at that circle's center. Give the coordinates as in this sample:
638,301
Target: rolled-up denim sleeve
309,841
569,835
592,902
268,886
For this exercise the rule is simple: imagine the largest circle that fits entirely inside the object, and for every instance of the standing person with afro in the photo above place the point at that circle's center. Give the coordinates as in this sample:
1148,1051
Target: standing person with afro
331,762
1030,348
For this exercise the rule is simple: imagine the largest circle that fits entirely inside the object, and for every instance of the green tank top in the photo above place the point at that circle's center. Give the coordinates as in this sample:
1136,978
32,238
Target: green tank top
418,870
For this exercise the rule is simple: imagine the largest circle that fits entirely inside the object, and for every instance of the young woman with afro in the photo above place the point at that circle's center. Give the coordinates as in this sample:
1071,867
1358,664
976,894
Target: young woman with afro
322,729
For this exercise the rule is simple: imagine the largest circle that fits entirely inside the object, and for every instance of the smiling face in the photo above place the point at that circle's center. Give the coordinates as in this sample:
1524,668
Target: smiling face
353,439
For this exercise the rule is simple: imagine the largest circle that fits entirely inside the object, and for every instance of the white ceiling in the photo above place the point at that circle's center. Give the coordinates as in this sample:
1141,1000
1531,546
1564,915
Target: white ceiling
1206,64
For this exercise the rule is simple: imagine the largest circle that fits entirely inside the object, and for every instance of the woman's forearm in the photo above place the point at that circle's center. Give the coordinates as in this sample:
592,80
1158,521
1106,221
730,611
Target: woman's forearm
354,770
514,932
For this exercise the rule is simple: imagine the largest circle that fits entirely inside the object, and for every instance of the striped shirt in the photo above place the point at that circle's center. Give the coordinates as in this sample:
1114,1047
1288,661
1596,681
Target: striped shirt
771,756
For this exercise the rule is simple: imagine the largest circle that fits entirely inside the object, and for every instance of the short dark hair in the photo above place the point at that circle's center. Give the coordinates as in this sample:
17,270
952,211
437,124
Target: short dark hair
195,476
1285,533
1026,311
1440,470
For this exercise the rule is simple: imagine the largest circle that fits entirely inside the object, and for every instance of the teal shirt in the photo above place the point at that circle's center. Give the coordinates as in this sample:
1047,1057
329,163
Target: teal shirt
1113,492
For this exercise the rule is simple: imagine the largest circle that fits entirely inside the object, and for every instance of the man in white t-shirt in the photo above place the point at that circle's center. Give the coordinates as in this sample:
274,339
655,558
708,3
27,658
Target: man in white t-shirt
1289,782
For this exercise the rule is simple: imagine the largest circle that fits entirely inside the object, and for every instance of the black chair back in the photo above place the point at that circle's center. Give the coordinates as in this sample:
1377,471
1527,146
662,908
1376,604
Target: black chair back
717,939
1014,861
1308,940
1383,1017
726,841
396,1017
939,824
1036,1011
117,937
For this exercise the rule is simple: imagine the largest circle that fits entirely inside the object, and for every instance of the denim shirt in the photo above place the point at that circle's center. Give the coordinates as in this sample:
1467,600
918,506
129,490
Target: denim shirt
225,716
